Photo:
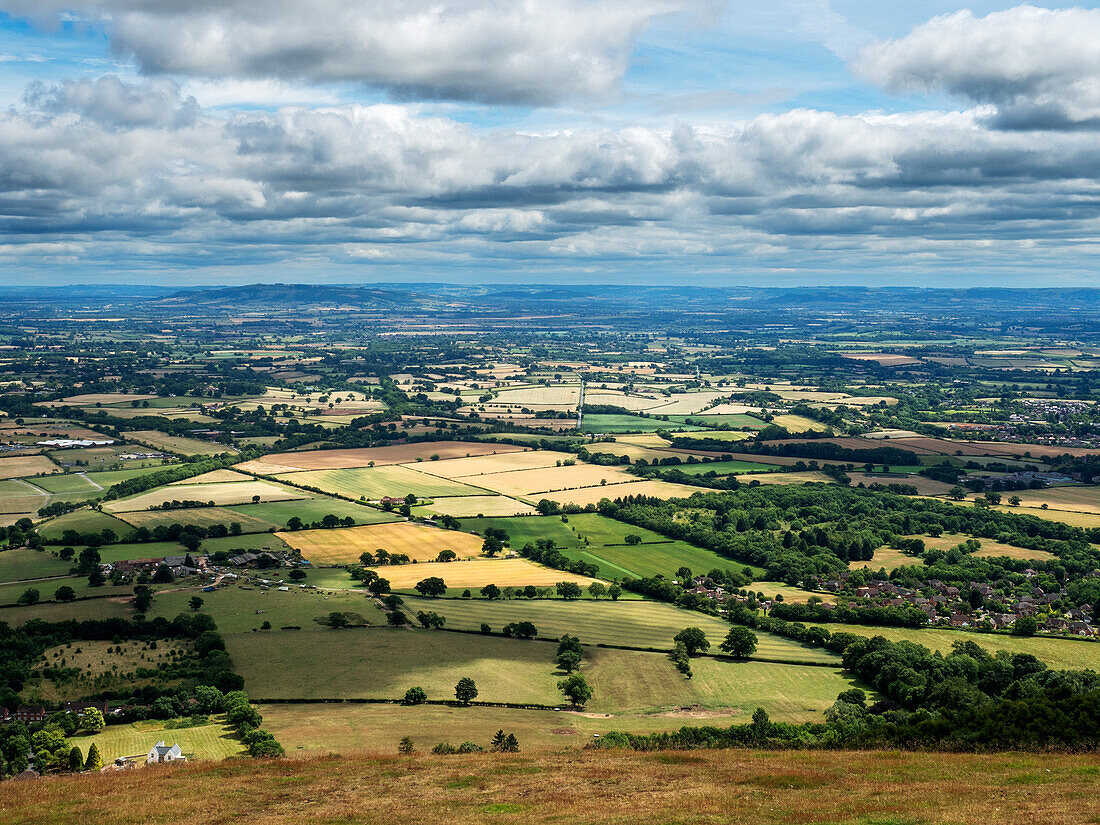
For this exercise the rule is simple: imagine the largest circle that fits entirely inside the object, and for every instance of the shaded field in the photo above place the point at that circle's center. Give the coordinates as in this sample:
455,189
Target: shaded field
632,623
198,516
213,477
107,478
477,573
395,481
344,546
528,529
232,493
277,513
726,467
1072,654
64,611
206,742
362,456
736,787
83,521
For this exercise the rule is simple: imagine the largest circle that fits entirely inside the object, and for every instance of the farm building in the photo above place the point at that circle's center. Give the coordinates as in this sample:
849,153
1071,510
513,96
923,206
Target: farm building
163,753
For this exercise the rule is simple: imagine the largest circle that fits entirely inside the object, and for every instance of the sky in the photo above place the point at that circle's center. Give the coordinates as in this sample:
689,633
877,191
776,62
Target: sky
739,142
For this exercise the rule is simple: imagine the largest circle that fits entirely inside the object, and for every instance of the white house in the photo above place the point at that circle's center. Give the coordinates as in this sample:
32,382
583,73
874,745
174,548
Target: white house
162,753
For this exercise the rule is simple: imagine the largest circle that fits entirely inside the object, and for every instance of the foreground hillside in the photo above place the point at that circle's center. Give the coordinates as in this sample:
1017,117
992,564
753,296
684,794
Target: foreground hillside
727,786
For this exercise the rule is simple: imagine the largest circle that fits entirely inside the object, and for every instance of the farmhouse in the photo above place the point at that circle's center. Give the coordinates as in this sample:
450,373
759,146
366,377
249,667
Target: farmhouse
163,753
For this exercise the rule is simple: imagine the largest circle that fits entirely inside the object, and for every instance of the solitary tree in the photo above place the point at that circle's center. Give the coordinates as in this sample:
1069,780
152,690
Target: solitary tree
739,642
406,746
195,602
415,696
94,762
64,594
632,539
465,690
297,575
694,639
431,586
28,596
576,689
490,591
92,721
76,760
569,660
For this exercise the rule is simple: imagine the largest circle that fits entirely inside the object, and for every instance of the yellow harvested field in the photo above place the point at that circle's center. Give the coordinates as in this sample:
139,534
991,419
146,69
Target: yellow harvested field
798,424
343,546
886,557
241,492
478,573
1084,520
26,465
733,409
467,468
686,403
531,482
467,506
362,457
1074,499
592,495
786,478
790,593
560,396
989,547
213,477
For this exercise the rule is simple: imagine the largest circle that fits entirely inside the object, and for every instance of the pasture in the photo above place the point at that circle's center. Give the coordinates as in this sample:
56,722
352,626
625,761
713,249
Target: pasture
25,563
467,506
395,481
207,742
886,558
83,521
476,573
277,513
726,467
634,623
68,483
241,492
176,444
213,477
344,545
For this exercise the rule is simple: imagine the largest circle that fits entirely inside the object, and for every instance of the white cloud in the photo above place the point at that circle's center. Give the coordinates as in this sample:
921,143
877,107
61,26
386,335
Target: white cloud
495,51
1039,67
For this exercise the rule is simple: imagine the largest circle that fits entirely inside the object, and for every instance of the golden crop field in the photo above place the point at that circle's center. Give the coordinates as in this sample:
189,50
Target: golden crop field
685,403
26,465
592,495
568,395
241,492
989,547
213,477
530,482
392,480
464,506
104,398
363,456
1073,499
500,463
344,545
799,424
1074,519
885,558
478,573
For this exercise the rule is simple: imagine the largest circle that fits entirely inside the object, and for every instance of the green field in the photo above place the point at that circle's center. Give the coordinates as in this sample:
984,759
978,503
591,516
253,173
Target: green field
24,563
377,482
214,741
309,510
65,611
83,521
11,591
68,483
111,477
238,610
632,623
732,419
1069,654
726,467
522,530
622,423
383,663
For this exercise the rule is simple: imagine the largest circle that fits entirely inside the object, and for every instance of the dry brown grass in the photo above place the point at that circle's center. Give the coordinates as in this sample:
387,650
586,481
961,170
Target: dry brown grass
757,787
240,492
925,486
344,546
26,465
592,495
501,463
550,479
478,573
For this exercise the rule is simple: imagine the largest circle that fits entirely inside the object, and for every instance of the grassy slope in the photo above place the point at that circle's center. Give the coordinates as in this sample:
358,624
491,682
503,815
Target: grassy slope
25,563
736,787
214,741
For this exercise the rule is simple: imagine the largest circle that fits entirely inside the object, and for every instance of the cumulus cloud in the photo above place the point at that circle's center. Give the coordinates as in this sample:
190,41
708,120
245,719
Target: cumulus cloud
492,51
1039,68
139,172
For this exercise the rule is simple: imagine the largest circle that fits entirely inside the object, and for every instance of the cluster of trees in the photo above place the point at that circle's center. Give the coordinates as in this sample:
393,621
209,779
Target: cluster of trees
329,521
543,552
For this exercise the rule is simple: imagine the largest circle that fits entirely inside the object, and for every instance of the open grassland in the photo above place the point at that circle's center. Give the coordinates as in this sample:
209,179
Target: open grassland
632,623
726,467
11,591
68,483
344,546
394,481
241,492
1058,653
26,465
527,529
83,521
277,513
885,558
808,477
1072,518
103,666
477,573
925,486
24,563
799,424
240,609
207,742
177,444
737,787
788,592
111,608
500,463
643,560
362,457
213,477
989,547
466,506
623,423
